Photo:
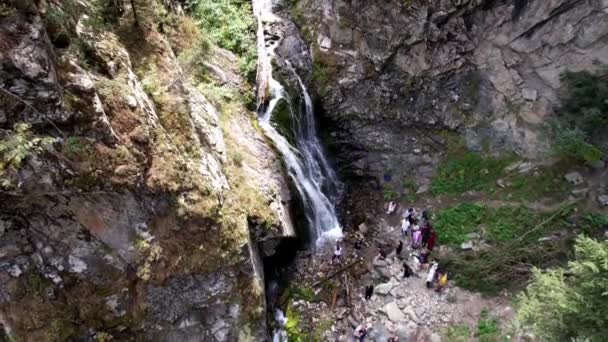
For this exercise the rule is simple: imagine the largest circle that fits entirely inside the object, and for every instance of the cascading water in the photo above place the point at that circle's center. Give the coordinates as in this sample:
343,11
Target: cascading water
304,159
299,146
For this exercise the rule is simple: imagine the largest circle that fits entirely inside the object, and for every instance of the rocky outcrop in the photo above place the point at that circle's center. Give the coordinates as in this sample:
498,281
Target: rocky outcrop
136,207
397,77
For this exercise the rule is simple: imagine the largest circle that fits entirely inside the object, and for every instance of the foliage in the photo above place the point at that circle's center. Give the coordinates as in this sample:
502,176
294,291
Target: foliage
570,303
571,144
453,224
463,171
583,116
592,223
487,327
513,233
229,24
388,194
304,293
457,333
19,144
294,332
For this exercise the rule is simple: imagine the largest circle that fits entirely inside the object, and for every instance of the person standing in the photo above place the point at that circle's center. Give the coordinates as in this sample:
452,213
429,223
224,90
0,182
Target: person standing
369,291
405,225
431,276
337,253
430,243
399,248
442,282
416,235
407,271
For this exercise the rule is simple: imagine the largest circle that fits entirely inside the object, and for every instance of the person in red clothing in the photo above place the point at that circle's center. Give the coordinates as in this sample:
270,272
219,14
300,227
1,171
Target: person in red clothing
430,242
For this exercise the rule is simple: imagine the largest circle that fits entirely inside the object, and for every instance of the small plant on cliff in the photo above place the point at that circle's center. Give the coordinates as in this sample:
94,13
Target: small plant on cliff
19,144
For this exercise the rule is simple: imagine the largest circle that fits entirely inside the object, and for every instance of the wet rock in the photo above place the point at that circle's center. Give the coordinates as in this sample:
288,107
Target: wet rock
574,178
603,200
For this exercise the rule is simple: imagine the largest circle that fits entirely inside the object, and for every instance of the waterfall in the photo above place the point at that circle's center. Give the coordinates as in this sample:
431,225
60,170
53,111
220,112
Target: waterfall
304,159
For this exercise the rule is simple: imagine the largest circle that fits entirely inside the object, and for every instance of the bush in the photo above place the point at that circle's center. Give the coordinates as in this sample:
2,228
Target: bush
230,24
19,144
487,327
565,304
583,117
570,144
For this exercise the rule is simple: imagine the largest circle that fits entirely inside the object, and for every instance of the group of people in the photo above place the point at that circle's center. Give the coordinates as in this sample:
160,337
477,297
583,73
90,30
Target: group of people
418,227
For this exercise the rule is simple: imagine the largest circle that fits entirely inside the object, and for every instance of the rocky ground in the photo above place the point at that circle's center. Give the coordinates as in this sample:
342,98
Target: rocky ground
405,308
400,307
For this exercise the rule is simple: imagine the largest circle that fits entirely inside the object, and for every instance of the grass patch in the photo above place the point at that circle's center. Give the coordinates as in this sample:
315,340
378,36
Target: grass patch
495,225
487,327
547,182
513,234
465,171
457,333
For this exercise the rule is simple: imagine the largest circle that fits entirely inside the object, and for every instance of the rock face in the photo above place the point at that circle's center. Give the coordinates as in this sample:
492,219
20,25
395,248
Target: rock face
128,214
396,78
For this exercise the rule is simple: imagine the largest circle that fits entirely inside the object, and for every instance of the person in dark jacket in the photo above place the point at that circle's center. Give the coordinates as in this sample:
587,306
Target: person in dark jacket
369,291
407,271
399,248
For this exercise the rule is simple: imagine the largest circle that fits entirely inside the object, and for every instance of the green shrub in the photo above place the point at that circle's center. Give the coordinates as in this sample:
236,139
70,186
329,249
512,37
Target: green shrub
487,327
230,24
583,116
19,144
571,144
567,304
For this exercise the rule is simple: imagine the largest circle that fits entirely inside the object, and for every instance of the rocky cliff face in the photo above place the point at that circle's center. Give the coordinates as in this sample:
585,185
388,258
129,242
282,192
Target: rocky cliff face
133,193
398,77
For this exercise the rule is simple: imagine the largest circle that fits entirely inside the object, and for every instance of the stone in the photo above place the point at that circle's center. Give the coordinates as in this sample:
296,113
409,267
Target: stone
465,246
383,289
525,167
473,236
435,338
574,178
423,189
501,184
363,228
603,200
580,192
394,313
77,265
529,94
15,271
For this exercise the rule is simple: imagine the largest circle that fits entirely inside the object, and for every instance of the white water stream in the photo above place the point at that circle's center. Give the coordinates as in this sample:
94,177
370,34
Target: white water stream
305,161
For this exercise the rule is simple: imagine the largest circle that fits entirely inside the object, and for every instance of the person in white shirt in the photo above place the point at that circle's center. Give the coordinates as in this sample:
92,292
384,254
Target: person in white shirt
391,207
405,225
337,253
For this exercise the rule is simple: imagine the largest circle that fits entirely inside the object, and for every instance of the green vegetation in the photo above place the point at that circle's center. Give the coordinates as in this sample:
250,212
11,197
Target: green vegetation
495,225
512,234
567,304
487,327
463,171
304,293
457,333
294,332
583,117
18,144
230,25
